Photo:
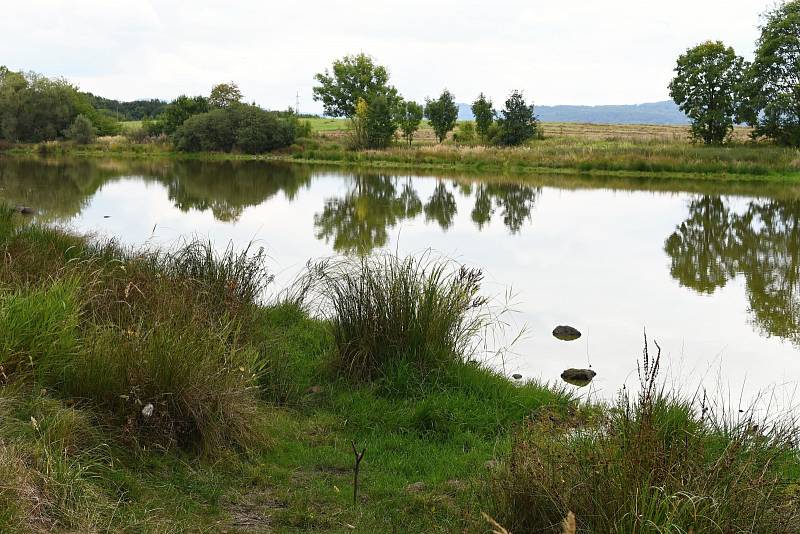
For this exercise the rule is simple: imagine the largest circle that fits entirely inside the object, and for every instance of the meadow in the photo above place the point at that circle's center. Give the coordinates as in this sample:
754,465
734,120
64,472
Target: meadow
638,151
171,391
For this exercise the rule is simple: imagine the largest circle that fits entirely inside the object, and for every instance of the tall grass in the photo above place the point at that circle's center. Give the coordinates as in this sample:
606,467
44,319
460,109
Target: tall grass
652,463
124,330
387,313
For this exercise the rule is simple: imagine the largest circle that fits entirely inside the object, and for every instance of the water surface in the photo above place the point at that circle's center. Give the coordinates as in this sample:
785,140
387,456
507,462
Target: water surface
711,271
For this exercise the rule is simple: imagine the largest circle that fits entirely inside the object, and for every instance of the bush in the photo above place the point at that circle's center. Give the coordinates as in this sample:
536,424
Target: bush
82,131
387,312
245,128
652,464
465,133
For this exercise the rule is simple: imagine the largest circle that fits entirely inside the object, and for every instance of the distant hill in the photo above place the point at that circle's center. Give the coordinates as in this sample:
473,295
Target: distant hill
665,112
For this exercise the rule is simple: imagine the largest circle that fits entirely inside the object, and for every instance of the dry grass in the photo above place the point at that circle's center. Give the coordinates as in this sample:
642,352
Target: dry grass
584,131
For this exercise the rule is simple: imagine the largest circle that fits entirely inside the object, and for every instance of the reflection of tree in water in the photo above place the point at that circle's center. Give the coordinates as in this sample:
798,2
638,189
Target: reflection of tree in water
441,207
762,243
227,188
700,246
57,189
515,202
358,222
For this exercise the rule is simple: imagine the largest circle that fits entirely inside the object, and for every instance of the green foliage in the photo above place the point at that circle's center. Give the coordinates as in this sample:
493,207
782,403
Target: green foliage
411,114
176,113
775,76
82,131
374,123
484,113
518,123
224,95
707,87
388,312
352,78
135,110
239,127
442,114
380,122
34,108
465,133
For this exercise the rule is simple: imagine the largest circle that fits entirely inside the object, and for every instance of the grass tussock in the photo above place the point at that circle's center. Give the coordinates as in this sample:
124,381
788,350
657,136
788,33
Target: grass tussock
651,463
388,313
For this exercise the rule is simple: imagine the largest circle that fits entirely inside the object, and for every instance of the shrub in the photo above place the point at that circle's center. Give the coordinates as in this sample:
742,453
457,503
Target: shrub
652,464
82,131
237,127
387,312
465,133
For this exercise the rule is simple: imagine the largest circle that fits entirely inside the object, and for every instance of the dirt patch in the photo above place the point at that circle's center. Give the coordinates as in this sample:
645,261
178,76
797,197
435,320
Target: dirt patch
252,512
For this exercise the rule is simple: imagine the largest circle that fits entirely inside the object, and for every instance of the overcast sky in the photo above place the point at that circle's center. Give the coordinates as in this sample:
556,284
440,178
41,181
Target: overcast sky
558,52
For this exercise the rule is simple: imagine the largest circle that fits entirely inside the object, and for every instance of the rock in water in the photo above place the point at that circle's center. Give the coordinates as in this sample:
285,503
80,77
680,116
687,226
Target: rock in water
25,210
566,333
578,377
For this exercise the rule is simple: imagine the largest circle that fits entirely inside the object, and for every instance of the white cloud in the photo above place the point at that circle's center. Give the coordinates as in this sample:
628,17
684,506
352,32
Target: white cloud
567,52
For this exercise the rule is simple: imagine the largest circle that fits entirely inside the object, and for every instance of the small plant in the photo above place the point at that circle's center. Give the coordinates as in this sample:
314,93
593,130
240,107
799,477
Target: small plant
386,311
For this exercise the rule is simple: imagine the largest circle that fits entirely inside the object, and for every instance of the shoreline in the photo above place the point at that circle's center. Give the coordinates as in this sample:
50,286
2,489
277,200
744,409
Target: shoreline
409,159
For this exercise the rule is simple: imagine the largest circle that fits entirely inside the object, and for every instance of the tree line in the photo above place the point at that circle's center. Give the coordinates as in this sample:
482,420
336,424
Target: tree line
35,108
357,88
716,88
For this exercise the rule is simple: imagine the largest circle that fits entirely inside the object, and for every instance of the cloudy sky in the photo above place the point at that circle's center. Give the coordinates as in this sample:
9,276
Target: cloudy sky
562,52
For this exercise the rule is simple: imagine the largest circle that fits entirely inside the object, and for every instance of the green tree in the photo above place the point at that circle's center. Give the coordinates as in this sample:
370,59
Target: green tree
224,95
518,122
484,113
177,111
442,114
411,115
775,76
707,88
380,122
81,131
351,78
35,108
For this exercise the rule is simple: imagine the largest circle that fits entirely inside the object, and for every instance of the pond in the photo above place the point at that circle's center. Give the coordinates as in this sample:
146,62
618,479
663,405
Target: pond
711,271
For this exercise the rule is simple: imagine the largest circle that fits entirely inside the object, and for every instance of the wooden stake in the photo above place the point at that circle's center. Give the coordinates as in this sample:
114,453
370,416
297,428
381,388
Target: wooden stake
358,458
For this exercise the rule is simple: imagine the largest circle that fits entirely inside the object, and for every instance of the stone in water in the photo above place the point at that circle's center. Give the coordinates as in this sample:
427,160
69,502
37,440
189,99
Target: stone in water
578,377
566,333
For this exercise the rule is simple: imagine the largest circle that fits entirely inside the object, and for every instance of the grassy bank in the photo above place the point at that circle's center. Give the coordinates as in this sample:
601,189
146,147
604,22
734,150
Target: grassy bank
644,152
152,391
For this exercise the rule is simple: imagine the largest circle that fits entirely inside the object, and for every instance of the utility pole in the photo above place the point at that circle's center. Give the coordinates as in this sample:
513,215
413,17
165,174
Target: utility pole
297,103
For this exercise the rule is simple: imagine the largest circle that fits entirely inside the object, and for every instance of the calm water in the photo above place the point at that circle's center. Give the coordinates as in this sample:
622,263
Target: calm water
712,273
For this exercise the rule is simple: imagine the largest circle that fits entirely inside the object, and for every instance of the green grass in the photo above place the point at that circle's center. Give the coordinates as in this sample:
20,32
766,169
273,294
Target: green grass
129,126
321,124
254,421
652,463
